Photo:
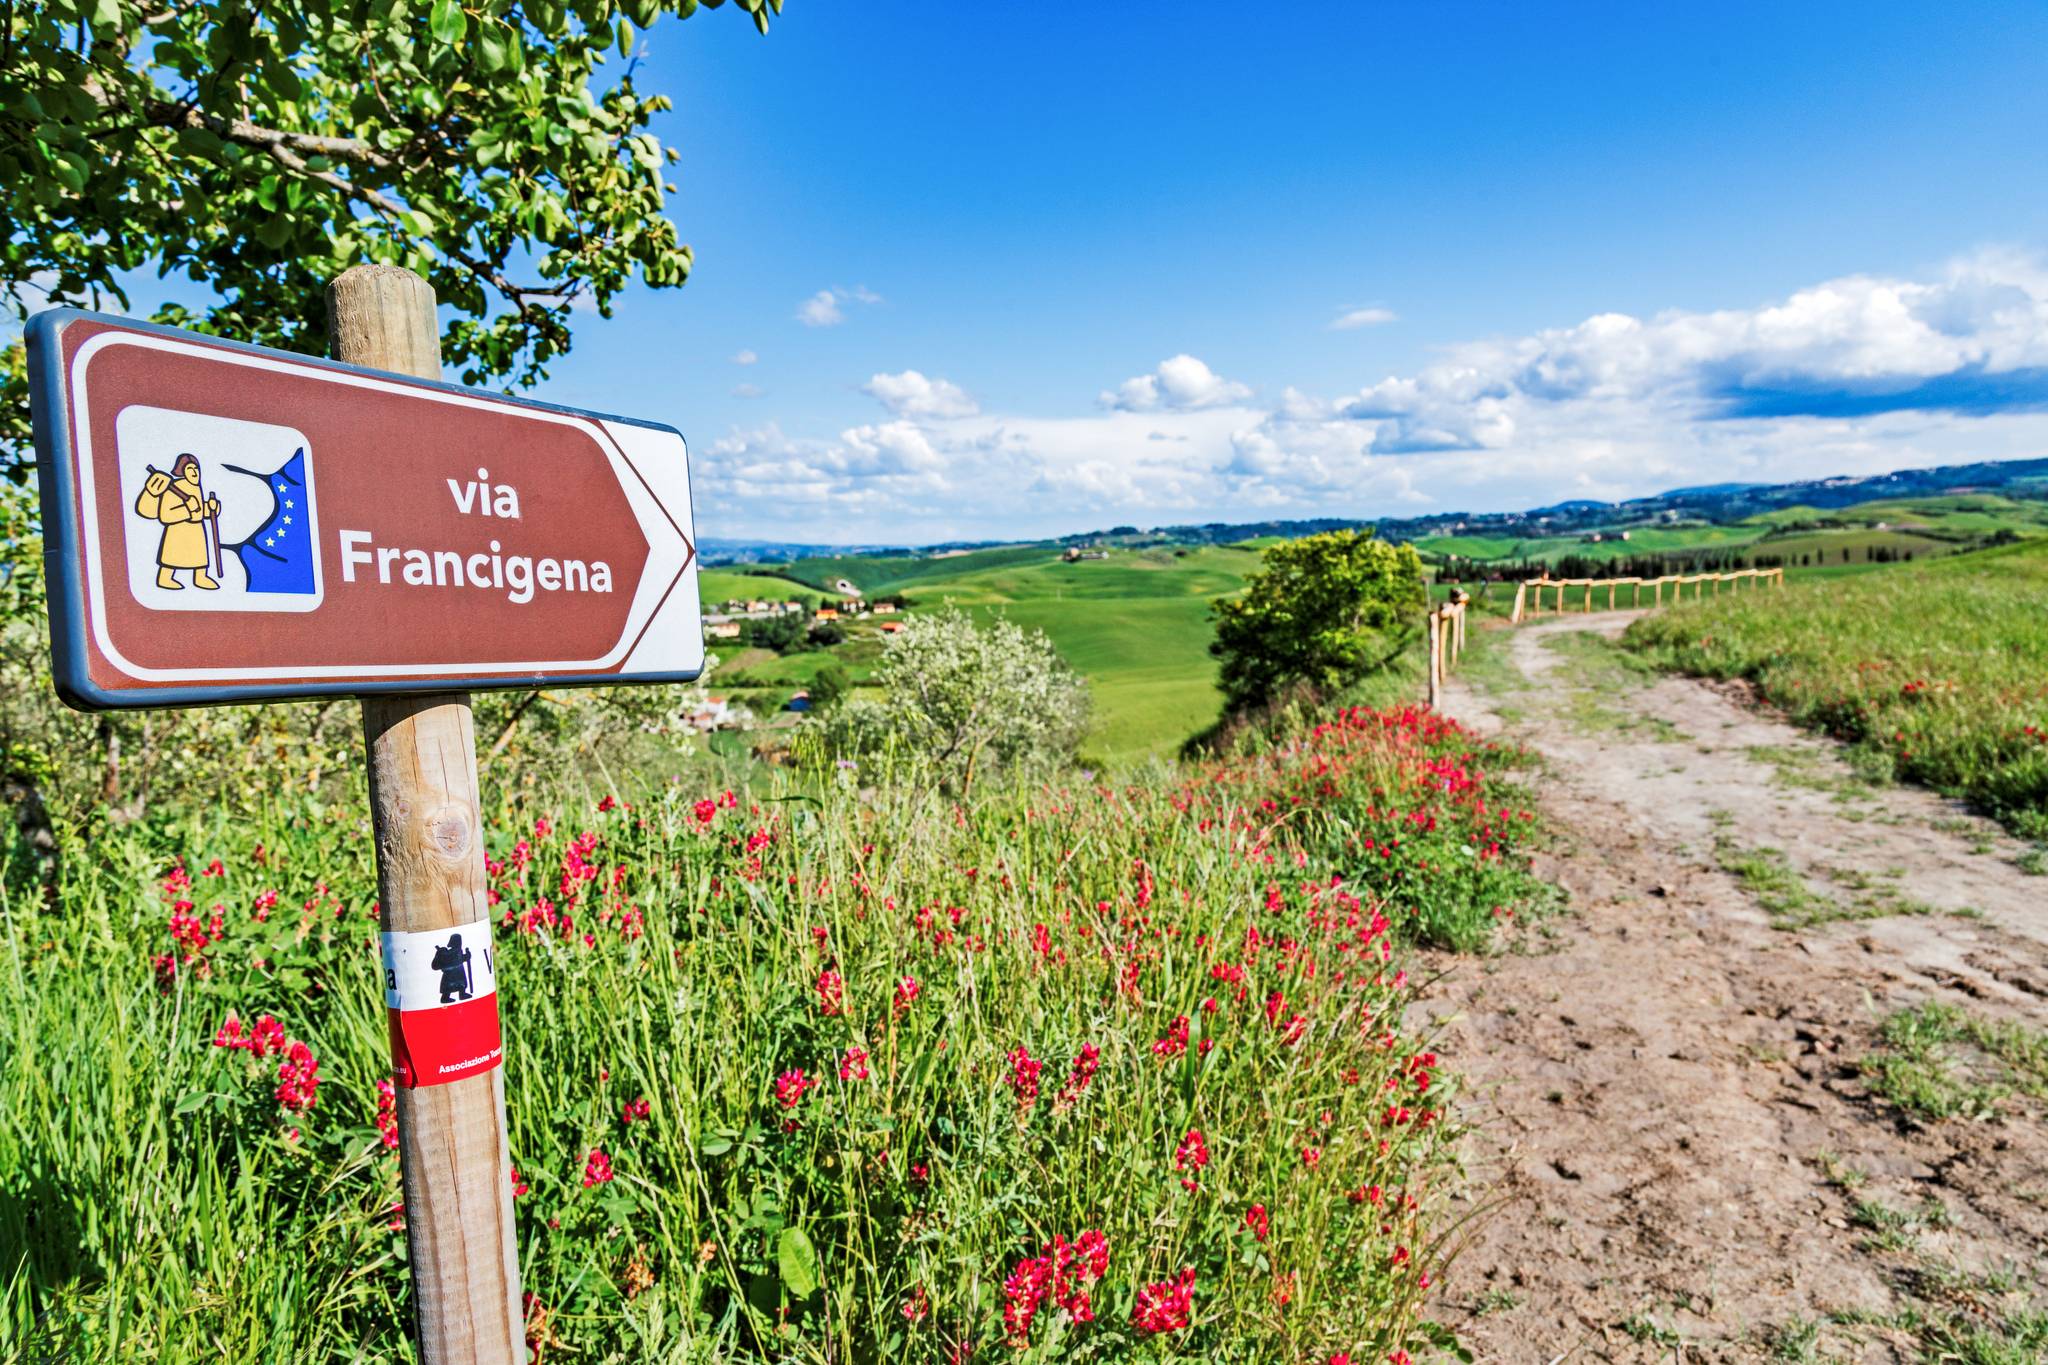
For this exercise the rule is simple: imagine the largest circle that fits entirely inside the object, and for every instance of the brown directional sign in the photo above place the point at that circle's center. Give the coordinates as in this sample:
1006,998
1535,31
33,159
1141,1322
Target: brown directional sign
229,523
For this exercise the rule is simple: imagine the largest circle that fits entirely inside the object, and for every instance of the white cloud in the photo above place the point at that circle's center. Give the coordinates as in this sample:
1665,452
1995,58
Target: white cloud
910,394
821,310
1181,382
1362,317
1856,375
744,357
747,391
826,308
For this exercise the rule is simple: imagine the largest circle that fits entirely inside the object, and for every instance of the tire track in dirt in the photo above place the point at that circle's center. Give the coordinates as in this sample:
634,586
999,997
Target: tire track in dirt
1654,1076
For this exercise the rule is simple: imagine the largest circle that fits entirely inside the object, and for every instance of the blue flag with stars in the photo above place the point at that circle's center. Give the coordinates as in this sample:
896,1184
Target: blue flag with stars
279,556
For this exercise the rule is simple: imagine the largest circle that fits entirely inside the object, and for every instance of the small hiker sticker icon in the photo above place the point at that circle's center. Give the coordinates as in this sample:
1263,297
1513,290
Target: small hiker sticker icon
451,960
220,513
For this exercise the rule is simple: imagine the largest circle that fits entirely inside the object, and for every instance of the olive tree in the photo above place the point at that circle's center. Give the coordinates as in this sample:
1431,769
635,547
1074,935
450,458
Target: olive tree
967,698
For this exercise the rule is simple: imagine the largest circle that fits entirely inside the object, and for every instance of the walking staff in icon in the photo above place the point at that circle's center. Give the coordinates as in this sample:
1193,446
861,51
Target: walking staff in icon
191,522
451,960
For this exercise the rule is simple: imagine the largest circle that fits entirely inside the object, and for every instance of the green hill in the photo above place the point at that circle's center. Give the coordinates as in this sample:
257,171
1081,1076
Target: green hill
1135,624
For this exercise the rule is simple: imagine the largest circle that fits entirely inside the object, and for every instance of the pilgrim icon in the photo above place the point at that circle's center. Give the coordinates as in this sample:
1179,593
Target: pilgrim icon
219,505
451,960
191,522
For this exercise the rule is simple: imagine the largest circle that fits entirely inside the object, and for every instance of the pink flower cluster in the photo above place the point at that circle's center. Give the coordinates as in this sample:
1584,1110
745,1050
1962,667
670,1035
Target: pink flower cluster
1166,1305
1057,1277
298,1075
1191,1156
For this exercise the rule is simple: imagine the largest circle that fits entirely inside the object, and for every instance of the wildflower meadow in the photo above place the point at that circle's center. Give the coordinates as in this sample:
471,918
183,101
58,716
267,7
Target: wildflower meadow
834,1066
1935,673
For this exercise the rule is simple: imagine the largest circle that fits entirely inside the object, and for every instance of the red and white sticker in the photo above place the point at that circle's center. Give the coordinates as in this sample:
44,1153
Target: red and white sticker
441,997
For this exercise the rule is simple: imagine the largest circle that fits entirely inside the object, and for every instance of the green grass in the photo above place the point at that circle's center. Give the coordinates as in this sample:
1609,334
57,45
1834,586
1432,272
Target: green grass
157,1204
1937,1062
1931,672
1595,670
1135,625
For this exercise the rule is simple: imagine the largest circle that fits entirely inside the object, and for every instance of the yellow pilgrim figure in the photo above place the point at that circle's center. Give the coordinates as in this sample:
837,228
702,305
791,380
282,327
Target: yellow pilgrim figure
175,499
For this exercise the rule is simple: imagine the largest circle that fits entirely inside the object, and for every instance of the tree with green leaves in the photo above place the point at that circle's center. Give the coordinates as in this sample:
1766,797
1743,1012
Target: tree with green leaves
500,148
1320,610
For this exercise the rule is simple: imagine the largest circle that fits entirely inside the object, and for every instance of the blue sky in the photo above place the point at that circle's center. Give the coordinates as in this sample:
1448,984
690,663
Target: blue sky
1080,264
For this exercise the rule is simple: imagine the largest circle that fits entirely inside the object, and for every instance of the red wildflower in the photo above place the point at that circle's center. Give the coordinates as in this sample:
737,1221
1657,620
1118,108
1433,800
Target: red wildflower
1191,1156
790,1087
635,1110
1176,1040
597,1168
387,1115
1024,1069
1255,1218
906,994
298,1078
1086,1062
1167,1305
831,992
854,1065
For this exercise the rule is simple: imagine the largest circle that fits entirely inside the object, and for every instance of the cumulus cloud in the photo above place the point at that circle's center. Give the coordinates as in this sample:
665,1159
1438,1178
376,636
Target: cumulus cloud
827,307
910,394
1362,317
1181,382
746,390
744,357
1851,376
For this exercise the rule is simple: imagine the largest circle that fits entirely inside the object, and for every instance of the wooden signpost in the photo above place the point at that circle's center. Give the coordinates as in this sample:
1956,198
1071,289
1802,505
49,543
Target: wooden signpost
228,523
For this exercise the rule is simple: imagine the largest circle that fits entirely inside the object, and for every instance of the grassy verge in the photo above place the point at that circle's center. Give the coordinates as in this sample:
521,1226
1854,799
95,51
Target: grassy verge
1933,673
807,1073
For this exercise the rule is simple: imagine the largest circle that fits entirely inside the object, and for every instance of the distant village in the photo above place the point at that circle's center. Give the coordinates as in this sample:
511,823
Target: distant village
787,622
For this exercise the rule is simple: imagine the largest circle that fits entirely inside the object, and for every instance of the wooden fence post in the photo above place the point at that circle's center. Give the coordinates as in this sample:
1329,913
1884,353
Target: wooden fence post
1521,591
1436,659
424,814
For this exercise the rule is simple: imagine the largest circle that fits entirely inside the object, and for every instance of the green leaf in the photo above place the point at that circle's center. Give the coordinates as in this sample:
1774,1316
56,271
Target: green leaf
797,1260
106,15
447,22
70,168
493,51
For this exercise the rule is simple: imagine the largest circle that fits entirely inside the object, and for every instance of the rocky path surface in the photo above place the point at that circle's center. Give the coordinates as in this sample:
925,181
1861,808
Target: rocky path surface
1685,1155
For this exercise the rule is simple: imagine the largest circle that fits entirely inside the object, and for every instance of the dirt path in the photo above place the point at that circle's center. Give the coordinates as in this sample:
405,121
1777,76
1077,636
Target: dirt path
1667,1100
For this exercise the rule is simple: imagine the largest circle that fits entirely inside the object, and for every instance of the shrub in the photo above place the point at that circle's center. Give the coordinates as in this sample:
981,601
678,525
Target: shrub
966,699
1321,611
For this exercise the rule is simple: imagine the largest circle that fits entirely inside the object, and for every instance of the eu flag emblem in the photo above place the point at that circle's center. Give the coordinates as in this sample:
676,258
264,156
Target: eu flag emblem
278,555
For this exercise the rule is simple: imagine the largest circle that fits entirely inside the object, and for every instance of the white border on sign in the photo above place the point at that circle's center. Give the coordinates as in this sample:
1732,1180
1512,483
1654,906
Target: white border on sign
667,551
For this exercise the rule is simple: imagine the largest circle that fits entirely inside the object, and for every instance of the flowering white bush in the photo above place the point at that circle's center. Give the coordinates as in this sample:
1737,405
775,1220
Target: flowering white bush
968,698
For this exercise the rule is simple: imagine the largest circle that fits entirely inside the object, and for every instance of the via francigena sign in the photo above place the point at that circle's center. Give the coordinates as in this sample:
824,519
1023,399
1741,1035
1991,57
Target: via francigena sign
232,523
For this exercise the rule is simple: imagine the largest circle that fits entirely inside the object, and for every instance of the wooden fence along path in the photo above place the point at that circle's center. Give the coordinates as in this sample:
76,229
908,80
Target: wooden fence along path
1446,642
1447,619
1526,604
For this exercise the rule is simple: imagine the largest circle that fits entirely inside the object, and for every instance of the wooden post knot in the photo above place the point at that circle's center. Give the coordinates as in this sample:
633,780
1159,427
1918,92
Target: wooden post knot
448,832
